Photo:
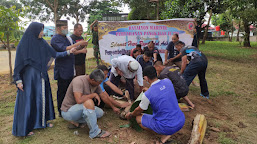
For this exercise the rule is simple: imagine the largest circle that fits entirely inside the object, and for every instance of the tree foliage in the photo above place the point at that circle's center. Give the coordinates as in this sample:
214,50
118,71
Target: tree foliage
78,9
9,28
246,10
191,9
143,9
98,8
10,3
225,21
46,10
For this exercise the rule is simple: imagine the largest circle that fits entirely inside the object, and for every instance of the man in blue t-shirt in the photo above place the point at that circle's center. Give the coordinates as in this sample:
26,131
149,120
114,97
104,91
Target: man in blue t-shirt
167,118
197,66
180,86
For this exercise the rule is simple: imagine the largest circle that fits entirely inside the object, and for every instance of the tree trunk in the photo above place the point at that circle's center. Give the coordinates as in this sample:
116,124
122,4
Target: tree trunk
247,34
232,32
55,13
77,19
10,57
237,35
157,10
55,18
147,15
207,26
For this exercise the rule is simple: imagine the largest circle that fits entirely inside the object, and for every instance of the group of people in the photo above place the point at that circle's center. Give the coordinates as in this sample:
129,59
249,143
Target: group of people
80,97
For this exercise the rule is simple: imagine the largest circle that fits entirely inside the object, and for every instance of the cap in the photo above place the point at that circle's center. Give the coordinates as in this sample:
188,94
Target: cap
61,23
133,65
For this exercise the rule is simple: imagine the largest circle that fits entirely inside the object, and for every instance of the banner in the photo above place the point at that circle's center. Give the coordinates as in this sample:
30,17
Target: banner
119,37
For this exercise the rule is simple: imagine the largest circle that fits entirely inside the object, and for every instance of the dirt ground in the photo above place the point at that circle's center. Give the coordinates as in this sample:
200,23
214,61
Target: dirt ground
231,112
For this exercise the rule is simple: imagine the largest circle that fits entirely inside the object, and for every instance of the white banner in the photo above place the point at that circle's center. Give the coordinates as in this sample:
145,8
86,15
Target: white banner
119,37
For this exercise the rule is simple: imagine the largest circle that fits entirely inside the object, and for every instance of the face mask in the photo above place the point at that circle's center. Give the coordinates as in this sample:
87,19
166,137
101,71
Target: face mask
65,32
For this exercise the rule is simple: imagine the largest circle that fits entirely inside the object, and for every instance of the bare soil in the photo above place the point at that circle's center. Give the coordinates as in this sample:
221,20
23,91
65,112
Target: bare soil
231,112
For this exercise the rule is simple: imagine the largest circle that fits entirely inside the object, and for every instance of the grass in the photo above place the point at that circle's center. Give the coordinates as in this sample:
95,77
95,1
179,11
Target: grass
232,82
230,51
225,140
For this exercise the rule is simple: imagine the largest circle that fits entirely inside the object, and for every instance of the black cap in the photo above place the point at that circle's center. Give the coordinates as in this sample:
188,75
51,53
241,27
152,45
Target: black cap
60,23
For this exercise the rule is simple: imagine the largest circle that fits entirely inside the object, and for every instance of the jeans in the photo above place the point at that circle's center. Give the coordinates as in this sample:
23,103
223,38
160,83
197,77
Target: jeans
79,114
197,67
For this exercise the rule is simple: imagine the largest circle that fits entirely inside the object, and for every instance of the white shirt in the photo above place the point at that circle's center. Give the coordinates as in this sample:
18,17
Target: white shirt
122,63
145,101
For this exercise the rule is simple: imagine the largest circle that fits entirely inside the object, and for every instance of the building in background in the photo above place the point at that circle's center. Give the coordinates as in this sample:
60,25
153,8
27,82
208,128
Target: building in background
115,17
49,31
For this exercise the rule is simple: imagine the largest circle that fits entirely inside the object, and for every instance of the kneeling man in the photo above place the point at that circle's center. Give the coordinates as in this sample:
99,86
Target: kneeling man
127,67
78,106
167,117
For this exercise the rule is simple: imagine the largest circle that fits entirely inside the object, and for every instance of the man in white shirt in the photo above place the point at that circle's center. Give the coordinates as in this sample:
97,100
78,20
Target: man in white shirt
127,67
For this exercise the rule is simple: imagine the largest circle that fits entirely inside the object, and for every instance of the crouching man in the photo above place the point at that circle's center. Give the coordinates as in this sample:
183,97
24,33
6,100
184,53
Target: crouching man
167,117
78,106
180,85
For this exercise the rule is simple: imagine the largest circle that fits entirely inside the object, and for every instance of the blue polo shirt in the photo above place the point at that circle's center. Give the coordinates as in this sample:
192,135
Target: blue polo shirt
64,67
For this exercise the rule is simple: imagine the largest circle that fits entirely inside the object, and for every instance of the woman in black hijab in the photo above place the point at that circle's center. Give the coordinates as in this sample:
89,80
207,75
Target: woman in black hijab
34,105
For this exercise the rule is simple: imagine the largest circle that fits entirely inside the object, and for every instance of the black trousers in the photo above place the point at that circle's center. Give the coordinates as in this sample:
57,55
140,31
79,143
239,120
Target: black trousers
63,85
129,84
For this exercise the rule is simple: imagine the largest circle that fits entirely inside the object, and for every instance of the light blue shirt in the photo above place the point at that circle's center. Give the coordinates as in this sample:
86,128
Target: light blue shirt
102,84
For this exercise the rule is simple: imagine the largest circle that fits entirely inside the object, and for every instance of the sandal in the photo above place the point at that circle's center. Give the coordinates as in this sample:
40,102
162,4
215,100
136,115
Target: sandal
30,134
50,125
103,134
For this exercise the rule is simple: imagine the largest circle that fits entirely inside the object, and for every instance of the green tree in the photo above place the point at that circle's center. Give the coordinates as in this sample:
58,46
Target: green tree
78,9
226,22
141,9
144,9
9,29
245,10
238,22
98,8
46,10
192,9
10,3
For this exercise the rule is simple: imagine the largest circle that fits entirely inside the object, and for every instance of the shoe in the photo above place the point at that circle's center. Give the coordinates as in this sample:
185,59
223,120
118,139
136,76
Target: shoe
204,96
